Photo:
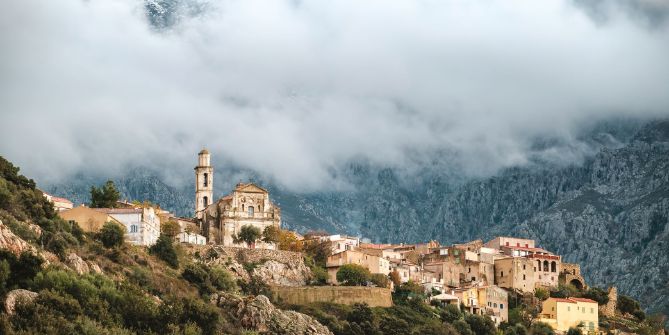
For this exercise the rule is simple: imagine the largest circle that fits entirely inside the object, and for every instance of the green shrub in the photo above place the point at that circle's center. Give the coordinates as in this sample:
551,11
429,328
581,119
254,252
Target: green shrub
353,275
164,249
111,235
541,294
462,327
222,279
541,328
480,325
450,313
380,280
597,294
574,331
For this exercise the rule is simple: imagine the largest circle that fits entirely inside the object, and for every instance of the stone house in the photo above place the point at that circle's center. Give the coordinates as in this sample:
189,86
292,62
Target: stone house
495,302
501,241
340,242
546,269
563,314
515,273
373,263
406,270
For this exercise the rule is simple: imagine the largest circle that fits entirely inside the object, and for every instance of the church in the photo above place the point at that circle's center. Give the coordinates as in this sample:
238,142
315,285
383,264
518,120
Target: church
220,220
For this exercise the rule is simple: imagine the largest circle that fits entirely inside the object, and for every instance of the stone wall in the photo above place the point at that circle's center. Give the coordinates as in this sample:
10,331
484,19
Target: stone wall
609,309
571,274
347,295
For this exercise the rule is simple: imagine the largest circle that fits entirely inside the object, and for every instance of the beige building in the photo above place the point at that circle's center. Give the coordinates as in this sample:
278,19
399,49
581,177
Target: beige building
563,314
495,302
546,270
499,242
515,273
89,219
373,263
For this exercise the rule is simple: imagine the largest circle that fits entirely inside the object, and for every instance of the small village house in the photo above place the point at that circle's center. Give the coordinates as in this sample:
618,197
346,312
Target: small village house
562,314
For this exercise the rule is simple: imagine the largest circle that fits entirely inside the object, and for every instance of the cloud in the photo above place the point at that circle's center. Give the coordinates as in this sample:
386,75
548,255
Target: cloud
294,90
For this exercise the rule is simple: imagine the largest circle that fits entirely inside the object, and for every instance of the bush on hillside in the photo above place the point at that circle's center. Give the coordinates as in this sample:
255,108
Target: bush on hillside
164,249
111,235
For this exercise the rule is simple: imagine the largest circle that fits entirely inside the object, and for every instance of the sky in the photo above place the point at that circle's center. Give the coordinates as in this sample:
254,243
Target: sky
296,89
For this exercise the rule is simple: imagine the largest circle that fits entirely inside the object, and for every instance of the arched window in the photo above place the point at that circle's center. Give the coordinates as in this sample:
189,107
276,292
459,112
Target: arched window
545,266
539,265
250,210
133,228
206,179
553,266
205,201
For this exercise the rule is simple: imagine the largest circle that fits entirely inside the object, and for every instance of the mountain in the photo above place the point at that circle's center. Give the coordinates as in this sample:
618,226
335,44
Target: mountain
608,213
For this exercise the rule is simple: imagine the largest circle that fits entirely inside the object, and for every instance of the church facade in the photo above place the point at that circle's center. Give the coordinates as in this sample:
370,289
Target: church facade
221,220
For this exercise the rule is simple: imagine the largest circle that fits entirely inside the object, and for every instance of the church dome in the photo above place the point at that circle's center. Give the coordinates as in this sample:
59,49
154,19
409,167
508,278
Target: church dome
204,152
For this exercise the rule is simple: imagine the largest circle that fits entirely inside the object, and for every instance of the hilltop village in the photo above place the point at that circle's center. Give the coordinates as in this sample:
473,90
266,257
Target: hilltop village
483,278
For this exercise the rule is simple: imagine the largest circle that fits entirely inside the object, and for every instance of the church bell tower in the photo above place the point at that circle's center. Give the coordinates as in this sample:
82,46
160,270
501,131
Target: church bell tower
204,182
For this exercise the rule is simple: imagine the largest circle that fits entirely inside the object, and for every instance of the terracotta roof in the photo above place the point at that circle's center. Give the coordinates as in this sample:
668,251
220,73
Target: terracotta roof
119,210
573,300
583,300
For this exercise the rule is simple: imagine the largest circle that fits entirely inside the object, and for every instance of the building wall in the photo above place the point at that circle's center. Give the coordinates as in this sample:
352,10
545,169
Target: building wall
88,219
546,271
373,263
347,295
496,303
515,273
564,315
498,242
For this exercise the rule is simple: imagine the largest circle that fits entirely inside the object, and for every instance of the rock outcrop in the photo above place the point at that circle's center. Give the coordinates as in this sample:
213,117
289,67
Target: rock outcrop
77,264
13,243
273,267
258,313
15,296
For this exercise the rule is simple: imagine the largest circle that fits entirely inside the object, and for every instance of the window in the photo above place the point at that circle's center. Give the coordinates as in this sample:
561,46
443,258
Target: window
592,311
523,277
205,201
568,309
133,228
591,325
507,244
523,266
518,244
469,270
495,305
501,306
250,210
501,274
206,179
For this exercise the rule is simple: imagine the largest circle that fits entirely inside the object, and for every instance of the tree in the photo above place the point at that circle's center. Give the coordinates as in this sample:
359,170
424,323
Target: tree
436,329
164,249
462,327
353,275
271,234
249,235
541,328
111,235
574,331
541,294
319,251
597,294
170,228
395,278
480,325
104,197
627,304
450,313
288,241
380,280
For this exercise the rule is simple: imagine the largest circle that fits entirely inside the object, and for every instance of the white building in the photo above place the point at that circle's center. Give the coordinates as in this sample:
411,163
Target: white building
191,238
341,242
142,224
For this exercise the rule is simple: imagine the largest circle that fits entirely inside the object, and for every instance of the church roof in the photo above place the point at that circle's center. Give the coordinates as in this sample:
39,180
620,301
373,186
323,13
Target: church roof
249,187
203,152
